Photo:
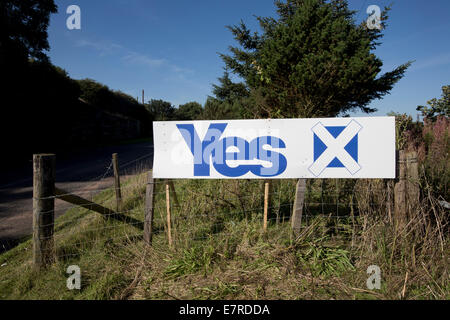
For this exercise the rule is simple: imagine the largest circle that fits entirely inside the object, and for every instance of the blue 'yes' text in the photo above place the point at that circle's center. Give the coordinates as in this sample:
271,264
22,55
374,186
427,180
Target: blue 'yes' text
216,150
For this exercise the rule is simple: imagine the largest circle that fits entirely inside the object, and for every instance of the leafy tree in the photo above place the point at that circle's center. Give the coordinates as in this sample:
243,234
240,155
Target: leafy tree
40,108
23,39
161,110
313,60
189,111
437,107
23,29
215,109
116,101
92,91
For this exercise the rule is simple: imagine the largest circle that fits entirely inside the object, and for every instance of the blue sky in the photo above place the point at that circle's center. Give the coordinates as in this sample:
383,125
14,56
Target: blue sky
170,48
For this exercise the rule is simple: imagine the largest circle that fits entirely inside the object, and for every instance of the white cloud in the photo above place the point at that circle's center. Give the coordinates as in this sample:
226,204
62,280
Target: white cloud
142,59
103,48
132,57
439,60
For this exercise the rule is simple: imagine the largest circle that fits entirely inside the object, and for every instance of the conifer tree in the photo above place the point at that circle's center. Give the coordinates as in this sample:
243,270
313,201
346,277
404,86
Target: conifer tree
312,61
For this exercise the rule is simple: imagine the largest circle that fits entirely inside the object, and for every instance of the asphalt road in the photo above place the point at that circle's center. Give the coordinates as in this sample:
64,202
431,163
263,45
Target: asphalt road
83,171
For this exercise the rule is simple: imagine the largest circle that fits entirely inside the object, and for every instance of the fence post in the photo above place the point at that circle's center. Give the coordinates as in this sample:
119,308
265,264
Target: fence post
174,194
117,182
298,206
266,203
169,220
390,198
149,208
412,181
400,191
43,209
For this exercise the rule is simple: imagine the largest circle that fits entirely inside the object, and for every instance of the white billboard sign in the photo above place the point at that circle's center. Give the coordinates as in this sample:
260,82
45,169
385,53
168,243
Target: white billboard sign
275,148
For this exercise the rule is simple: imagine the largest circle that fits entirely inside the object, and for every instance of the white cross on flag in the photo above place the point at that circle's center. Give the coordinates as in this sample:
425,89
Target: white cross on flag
335,148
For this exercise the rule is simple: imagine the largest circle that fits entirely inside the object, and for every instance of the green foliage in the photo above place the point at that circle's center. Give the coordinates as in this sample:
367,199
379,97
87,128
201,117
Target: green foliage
23,30
215,109
323,260
403,124
435,164
53,115
101,96
192,260
230,100
228,91
164,111
311,61
161,110
189,111
236,261
41,111
430,140
437,107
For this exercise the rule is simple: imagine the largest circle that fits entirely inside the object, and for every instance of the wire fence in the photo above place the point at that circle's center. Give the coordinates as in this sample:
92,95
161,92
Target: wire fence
189,213
204,209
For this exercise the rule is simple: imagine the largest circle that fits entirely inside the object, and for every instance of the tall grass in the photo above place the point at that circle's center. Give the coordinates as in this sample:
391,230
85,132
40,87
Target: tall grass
220,250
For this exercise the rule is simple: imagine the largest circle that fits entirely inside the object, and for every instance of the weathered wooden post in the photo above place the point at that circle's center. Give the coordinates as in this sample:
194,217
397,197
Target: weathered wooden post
390,198
406,190
43,209
412,182
266,203
149,208
115,163
169,220
174,194
296,220
400,191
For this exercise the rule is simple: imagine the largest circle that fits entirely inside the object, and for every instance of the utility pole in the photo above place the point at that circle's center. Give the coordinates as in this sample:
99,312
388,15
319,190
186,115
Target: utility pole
143,96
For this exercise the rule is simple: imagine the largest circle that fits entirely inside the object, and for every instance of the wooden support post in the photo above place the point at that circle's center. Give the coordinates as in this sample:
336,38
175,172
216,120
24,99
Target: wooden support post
43,209
266,203
390,198
174,194
406,190
149,208
115,162
412,182
296,220
107,213
400,215
169,220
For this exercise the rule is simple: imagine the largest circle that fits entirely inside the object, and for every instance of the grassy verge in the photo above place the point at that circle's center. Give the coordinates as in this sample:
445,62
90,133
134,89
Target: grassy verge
220,251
